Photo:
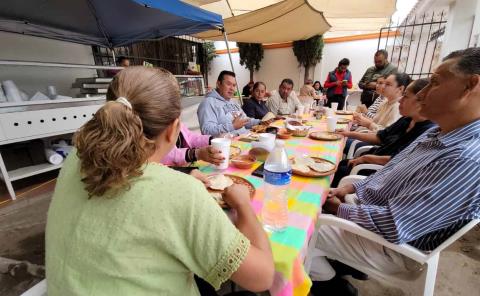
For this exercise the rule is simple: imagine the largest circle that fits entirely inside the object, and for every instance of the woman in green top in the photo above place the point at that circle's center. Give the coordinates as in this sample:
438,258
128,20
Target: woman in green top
120,223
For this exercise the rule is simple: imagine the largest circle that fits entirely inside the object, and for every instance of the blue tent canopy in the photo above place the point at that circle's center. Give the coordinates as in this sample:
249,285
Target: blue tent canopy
107,23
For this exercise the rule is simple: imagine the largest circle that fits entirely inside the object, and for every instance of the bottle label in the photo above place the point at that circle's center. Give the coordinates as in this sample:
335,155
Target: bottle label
275,178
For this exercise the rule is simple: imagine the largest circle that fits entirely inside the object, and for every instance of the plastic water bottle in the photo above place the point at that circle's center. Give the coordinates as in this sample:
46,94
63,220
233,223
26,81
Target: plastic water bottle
277,175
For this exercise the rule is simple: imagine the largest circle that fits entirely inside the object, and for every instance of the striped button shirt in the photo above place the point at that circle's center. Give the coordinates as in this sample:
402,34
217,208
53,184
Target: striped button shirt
372,110
425,193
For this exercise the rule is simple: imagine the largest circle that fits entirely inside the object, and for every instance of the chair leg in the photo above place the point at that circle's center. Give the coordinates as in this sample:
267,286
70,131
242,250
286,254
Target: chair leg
427,282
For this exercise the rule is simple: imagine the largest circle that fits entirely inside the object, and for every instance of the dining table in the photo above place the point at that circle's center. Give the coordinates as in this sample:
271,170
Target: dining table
306,196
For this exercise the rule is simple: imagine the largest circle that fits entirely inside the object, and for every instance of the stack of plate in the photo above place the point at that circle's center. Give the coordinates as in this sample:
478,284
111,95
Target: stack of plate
92,85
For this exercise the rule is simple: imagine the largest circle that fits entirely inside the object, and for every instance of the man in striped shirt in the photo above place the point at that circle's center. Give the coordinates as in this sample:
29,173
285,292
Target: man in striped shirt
424,194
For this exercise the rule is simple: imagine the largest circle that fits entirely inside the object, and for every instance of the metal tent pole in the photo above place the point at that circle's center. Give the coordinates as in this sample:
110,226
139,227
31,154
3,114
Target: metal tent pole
231,64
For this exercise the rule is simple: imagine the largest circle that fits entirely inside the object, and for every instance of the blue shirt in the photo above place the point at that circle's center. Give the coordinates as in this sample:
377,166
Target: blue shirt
254,108
425,193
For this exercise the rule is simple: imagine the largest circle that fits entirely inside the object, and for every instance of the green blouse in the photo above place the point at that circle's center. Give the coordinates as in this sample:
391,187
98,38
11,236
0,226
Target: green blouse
149,240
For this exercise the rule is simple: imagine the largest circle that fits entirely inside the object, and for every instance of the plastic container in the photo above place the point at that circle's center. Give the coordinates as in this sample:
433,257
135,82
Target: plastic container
277,176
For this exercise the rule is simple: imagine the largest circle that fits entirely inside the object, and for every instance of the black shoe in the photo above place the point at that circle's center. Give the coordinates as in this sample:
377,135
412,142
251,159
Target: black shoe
343,269
335,287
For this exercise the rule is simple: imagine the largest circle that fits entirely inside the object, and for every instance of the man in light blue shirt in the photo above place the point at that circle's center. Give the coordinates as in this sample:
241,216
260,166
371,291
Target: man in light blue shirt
218,114
424,194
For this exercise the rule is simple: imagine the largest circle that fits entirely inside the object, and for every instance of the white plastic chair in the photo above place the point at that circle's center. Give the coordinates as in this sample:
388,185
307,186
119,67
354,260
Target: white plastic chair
365,166
345,104
353,152
423,284
40,289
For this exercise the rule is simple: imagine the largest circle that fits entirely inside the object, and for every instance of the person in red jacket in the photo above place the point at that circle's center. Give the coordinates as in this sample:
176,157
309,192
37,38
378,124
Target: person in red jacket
337,83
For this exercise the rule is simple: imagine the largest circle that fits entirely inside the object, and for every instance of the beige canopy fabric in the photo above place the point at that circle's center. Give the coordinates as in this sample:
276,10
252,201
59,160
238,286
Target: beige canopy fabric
281,22
344,17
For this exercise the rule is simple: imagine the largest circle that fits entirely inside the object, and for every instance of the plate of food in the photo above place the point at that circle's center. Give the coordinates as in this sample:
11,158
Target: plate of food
344,112
259,128
218,183
234,151
312,166
284,134
250,137
325,136
297,128
343,120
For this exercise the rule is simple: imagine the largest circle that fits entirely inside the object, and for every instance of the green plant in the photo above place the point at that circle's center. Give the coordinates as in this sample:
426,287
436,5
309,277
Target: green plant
251,54
209,49
308,52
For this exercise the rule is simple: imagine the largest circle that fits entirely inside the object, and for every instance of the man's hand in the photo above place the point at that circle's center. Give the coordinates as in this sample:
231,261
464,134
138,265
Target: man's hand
372,85
339,83
268,122
237,196
341,192
211,155
200,176
239,122
331,205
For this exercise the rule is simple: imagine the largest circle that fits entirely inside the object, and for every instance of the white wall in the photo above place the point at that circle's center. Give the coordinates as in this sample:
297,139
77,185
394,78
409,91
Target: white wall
31,79
461,25
281,63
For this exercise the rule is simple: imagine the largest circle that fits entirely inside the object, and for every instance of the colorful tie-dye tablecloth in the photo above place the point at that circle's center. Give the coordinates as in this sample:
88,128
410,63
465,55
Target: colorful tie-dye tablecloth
305,197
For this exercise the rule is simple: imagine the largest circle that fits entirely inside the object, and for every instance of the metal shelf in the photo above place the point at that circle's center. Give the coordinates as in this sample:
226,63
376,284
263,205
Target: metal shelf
56,65
32,170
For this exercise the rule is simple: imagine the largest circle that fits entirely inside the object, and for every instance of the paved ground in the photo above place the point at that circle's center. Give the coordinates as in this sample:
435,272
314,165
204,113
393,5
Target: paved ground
22,235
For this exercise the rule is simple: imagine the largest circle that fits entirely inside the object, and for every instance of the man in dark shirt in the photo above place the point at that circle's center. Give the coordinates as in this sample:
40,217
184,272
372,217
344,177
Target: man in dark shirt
369,80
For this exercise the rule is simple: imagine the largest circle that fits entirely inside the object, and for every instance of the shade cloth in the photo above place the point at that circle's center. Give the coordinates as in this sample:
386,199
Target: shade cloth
344,17
281,22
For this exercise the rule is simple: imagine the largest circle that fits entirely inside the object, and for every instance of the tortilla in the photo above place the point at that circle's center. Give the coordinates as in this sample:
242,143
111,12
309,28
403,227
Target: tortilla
321,167
300,167
268,116
219,182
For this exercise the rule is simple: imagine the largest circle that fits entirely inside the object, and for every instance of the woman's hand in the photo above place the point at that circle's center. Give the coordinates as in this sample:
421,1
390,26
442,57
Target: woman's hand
344,133
237,196
357,161
211,155
362,120
200,176
362,109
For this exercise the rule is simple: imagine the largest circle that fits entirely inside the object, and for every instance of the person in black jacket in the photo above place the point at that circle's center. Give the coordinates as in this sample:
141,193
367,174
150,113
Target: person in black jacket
256,107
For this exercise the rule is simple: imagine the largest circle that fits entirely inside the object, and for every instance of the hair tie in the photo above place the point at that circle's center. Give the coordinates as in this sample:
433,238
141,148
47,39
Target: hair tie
125,102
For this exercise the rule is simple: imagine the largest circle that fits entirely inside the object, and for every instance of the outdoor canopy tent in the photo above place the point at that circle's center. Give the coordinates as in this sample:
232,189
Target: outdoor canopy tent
107,23
346,17
285,21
